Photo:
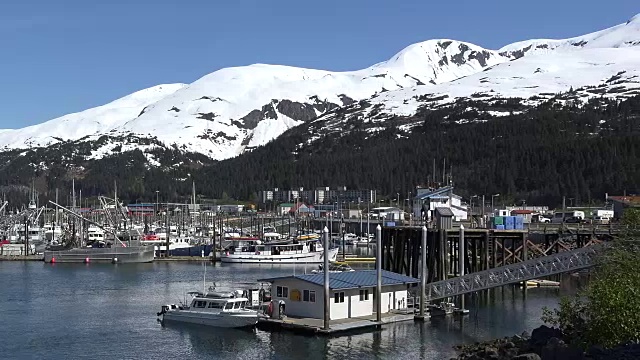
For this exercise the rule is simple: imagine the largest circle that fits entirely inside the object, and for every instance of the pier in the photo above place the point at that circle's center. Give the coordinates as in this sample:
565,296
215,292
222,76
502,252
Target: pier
482,249
337,327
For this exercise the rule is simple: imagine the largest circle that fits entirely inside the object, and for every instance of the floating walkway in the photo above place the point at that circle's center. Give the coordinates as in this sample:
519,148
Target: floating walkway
336,327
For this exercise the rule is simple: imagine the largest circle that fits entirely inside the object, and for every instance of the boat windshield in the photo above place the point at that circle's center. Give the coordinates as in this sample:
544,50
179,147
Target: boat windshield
215,305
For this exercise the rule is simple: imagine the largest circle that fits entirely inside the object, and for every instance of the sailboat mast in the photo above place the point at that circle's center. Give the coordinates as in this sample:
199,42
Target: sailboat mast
56,224
73,194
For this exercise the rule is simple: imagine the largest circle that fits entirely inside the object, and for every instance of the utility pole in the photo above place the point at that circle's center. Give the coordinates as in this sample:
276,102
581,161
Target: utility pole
433,181
564,208
327,304
444,170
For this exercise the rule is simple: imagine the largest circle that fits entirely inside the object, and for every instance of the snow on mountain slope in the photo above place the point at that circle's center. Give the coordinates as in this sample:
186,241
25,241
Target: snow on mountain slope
214,116
623,35
591,72
236,109
100,119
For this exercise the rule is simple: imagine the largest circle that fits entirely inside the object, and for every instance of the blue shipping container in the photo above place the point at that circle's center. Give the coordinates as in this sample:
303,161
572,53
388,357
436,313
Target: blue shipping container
519,223
499,227
509,220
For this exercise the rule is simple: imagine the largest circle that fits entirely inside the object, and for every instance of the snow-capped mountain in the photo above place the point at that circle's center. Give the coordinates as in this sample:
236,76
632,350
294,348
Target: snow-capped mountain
232,110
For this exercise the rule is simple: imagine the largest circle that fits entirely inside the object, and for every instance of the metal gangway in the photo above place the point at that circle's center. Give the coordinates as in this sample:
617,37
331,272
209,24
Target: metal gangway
567,261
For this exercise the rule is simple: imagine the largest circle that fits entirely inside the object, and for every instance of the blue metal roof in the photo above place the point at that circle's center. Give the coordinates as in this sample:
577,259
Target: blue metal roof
351,279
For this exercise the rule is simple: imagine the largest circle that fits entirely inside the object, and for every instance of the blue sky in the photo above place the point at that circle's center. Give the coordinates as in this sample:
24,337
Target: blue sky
64,56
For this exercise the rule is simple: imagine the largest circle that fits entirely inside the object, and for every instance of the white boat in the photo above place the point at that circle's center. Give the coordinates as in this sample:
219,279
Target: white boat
179,242
297,252
95,235
52,232
227,312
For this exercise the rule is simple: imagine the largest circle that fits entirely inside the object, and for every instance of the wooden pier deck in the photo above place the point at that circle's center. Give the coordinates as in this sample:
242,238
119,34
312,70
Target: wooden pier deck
336,327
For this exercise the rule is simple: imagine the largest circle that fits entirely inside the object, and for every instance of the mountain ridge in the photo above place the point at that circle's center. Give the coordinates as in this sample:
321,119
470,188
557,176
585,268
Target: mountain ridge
233,110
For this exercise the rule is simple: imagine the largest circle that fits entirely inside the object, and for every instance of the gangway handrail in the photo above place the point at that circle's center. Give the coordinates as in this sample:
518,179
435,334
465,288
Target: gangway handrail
563,262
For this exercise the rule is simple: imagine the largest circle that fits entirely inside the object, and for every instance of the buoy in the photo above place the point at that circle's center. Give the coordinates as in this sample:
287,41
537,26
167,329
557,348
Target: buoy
115,260
53,260
86,260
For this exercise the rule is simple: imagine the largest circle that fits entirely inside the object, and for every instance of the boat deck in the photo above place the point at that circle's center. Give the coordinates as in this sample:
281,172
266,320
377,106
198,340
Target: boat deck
315,326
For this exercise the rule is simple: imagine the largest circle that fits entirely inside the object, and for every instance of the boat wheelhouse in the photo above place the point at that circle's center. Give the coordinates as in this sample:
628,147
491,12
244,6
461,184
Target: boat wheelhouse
218,311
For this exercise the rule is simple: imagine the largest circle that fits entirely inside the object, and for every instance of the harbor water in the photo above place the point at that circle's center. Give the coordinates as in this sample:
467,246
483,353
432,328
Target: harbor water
99,311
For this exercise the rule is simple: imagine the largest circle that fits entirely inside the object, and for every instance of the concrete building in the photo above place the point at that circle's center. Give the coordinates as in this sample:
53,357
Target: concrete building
428,199
351,293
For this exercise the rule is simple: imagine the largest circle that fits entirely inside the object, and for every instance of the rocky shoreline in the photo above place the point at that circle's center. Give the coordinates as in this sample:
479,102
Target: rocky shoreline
544,343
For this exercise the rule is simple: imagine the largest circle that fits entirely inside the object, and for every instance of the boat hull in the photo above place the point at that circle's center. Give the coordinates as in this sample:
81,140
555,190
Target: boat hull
195,250
224,320
133,254
308,258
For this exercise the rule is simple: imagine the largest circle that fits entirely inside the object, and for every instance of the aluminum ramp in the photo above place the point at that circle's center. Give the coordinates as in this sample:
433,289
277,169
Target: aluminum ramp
563,262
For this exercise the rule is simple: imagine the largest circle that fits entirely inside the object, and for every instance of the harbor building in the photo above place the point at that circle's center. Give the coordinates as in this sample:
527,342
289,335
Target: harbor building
620,203
351,293
294,209
428,199
320,195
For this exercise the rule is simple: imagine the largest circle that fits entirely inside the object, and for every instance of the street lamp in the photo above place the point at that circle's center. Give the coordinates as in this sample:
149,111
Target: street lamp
493,209
157,205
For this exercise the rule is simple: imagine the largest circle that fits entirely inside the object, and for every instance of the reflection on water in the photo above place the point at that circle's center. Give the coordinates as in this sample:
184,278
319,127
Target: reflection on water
107,311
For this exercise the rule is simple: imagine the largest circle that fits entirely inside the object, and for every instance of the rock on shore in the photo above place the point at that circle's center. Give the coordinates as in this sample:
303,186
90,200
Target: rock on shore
544,343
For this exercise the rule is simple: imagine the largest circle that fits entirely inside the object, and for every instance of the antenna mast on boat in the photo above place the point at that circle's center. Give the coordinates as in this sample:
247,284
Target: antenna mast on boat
194,195
73,194
204,279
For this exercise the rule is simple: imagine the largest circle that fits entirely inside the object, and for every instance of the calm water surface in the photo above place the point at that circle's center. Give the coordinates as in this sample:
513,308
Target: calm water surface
70,311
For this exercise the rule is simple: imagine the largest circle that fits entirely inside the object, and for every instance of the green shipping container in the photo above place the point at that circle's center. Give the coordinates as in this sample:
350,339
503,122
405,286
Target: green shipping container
498,220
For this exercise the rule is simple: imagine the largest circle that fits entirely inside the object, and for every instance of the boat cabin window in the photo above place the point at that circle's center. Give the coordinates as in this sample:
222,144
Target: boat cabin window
228,306
215,305
200,304
237,305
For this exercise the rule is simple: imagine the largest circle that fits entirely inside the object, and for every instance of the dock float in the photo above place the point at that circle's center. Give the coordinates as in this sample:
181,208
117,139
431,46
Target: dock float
22,258
311,326
184,258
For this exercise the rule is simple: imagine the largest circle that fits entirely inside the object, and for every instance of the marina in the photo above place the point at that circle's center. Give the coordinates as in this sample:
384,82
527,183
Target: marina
131,294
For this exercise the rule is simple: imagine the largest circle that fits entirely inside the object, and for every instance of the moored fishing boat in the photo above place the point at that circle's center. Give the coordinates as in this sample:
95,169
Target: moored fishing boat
296,252
212,310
